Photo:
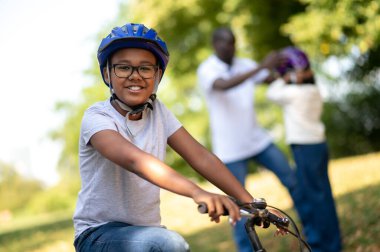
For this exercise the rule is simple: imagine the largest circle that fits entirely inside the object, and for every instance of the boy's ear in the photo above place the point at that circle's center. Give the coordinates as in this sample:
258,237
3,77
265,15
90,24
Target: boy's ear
160,73
106,76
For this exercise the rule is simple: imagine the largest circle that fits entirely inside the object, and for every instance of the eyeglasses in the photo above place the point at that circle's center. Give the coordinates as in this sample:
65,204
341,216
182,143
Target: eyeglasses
145,71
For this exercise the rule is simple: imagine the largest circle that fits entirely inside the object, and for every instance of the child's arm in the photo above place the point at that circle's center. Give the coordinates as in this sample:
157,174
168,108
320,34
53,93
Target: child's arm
208,165
280,93
116,148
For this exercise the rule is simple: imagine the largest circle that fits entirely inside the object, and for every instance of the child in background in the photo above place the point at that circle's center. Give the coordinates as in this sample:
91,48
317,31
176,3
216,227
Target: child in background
298,95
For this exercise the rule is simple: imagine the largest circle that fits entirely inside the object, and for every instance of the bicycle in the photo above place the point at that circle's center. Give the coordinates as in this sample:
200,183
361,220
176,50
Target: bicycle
258,214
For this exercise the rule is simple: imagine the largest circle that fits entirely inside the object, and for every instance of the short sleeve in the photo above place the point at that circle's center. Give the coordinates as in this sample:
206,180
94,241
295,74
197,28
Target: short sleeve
94,121
207,74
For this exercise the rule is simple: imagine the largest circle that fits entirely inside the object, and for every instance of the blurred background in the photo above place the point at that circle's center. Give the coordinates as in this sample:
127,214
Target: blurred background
50,76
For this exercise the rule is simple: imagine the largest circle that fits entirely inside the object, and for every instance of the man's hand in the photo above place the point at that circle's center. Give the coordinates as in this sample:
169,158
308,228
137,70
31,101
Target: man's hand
272,60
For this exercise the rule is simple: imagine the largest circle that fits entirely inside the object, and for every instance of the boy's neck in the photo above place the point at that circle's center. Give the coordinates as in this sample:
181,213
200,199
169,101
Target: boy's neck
135,117
132,117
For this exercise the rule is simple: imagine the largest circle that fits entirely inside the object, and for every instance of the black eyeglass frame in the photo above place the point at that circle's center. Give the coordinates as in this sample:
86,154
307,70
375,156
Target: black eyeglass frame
155,67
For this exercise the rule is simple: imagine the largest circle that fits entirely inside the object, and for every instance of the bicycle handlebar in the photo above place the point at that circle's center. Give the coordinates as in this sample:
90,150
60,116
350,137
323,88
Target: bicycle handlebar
261,213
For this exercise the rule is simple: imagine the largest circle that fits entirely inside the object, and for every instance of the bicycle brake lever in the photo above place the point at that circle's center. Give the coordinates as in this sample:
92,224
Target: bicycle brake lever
259,203
278,221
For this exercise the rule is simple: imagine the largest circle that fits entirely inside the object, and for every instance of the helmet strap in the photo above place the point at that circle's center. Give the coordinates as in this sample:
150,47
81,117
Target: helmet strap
157,80
136,109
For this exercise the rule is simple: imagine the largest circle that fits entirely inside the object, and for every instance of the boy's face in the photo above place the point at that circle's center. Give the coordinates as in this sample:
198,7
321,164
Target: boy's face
133,90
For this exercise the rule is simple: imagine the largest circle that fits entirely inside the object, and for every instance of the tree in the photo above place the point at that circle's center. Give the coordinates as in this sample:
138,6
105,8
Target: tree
324,28
11,184
68,133
348,30
186,26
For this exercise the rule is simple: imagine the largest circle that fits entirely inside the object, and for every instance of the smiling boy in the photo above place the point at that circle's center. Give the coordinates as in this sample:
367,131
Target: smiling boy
122,146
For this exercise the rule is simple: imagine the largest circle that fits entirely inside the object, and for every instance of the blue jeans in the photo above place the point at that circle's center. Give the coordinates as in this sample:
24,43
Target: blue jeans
122,237
272,159
320,220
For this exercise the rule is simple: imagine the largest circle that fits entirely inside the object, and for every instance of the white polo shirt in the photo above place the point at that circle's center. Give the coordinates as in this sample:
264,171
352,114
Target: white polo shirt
235,132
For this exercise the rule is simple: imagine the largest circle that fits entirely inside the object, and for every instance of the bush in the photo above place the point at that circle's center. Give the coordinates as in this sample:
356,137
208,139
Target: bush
16,190
353,123
59,198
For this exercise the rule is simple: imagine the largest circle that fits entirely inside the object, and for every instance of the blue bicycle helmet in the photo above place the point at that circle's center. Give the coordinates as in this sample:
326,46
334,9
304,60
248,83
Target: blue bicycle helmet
132,36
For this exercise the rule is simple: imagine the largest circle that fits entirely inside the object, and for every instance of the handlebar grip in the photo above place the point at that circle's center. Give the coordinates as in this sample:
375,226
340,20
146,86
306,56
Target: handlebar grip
202,208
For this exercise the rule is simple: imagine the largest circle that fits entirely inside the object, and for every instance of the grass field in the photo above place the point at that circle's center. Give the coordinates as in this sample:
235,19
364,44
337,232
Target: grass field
356,187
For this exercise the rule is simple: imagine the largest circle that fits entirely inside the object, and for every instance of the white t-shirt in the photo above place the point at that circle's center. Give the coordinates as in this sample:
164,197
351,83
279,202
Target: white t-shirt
235,132
109,192
302,105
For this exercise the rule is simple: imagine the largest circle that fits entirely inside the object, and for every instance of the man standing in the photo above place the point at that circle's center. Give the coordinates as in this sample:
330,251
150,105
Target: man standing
228,84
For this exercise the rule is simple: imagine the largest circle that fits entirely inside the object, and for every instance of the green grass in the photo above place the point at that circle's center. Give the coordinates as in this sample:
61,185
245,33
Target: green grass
35,232
356,187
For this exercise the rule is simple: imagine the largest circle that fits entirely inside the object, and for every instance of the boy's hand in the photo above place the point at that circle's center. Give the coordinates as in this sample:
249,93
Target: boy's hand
217,204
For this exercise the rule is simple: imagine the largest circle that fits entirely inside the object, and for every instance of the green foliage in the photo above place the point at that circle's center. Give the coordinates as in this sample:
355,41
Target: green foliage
69,131
344,28
25,196
61,197
187,26
353,123
333,27
16,190
350,30
189,43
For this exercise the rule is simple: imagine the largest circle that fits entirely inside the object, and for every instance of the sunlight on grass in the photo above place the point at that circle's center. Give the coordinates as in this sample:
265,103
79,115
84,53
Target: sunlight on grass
347,175
355,181
56,246
353,173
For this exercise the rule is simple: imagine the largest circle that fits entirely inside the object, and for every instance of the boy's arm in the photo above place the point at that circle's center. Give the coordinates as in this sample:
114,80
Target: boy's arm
208,165
117,149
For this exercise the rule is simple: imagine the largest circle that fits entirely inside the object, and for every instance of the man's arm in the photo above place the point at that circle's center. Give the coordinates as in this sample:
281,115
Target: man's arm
268,63
224,84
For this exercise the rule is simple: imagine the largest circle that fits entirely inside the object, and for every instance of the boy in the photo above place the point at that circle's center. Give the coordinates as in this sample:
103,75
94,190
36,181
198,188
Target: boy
302,105
122,148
